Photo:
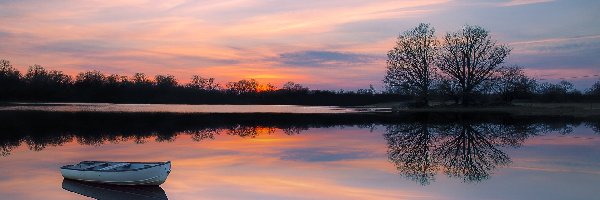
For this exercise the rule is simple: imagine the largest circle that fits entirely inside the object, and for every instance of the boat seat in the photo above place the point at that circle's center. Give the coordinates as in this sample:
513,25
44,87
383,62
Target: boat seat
92,166
115,166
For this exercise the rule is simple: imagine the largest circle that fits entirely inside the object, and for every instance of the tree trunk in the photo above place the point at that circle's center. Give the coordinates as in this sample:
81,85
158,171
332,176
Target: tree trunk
465,98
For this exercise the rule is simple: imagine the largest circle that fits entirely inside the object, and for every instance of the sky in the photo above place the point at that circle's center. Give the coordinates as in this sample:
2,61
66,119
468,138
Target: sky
334,44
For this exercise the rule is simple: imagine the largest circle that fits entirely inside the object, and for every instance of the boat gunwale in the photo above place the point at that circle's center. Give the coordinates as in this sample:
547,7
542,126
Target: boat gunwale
137,169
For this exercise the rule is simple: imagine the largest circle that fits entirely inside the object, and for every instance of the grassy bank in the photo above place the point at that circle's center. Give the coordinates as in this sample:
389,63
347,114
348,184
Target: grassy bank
519,109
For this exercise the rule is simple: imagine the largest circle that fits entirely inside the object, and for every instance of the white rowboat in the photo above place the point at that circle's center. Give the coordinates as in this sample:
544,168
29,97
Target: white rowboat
118,173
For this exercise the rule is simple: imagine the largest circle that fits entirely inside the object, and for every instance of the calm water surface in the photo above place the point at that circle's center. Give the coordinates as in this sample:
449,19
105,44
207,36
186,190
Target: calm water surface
401,161
175,108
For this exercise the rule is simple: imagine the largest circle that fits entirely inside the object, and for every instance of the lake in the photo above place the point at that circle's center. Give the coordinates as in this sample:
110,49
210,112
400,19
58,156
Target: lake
178,108
305,155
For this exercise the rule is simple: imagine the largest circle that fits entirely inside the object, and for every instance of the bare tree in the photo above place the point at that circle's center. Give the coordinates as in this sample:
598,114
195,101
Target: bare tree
294,87
141,80
469,57
8,72
90,79
266,87
114,80
557,92
410,64
165,81
10,79
39,77
243,86
594,90
199,82
448,89
512,83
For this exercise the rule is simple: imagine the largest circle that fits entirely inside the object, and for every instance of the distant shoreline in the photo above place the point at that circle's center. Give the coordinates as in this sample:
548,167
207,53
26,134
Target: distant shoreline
398,109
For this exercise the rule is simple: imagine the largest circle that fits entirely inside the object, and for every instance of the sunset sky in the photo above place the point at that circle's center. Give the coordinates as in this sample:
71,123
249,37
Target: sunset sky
322,44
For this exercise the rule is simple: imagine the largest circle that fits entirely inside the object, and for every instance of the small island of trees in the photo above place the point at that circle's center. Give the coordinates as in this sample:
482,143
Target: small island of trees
466,67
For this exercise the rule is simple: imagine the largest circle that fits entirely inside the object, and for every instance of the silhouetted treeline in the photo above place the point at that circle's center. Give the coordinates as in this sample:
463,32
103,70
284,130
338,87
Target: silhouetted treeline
40,84
467,67
528,89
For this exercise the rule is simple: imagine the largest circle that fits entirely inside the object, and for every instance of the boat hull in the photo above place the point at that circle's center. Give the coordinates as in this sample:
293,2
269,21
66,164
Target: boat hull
149,176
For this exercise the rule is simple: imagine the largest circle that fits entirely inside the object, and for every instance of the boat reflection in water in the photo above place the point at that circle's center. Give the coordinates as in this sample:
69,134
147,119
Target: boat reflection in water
105,191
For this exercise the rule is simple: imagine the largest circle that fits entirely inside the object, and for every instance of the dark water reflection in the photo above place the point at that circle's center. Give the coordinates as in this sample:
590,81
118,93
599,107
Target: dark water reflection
422,147
466,150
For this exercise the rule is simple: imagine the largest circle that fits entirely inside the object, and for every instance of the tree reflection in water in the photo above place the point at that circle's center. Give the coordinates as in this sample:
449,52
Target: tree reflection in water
466,150
410,148
40,142
470,151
